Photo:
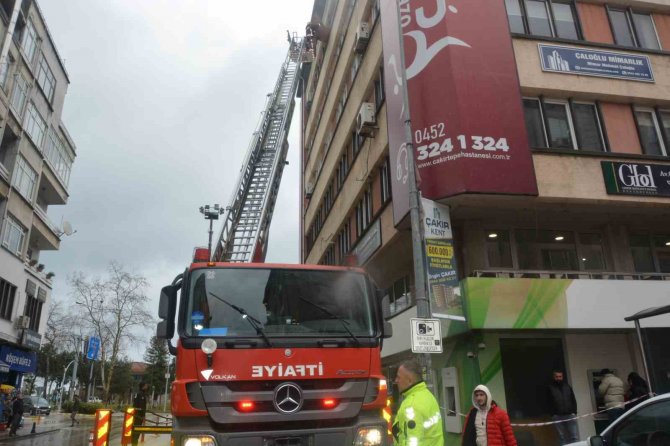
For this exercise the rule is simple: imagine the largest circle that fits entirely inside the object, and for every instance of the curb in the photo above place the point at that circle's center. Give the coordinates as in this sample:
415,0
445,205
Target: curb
26,436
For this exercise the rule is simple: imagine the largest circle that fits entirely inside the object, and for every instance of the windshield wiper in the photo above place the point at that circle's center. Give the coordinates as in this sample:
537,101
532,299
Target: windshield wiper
345,324
255,323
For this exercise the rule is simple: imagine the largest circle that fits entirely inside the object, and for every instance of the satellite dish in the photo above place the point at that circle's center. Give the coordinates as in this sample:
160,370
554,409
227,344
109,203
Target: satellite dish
67,228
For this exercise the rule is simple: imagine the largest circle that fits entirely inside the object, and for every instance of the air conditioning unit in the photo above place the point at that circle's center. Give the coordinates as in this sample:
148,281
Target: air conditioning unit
362,37
366,123
23,322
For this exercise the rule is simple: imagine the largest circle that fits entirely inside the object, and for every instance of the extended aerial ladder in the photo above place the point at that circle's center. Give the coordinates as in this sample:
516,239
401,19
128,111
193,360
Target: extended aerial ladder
246,223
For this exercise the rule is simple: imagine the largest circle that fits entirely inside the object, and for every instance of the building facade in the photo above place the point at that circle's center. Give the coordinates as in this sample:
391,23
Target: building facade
36,157
546,275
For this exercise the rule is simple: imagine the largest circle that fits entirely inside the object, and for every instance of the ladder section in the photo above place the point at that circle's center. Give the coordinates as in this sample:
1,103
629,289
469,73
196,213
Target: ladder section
244,235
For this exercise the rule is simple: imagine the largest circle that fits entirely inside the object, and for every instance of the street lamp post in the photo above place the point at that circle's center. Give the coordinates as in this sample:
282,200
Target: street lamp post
74,369
62,384
211,214
167,380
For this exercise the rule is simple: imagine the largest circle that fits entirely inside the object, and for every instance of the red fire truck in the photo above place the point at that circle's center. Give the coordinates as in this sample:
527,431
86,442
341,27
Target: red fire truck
275,355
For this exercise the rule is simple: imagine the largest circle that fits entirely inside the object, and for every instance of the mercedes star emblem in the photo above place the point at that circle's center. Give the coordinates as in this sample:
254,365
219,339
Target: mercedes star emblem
288,398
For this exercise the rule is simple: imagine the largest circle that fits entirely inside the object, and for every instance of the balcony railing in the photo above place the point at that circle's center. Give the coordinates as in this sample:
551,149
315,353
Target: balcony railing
43,216
543,274
3,170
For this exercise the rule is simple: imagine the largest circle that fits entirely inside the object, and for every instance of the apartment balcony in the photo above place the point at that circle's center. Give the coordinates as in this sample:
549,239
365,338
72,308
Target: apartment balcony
51,189
520,300
44,235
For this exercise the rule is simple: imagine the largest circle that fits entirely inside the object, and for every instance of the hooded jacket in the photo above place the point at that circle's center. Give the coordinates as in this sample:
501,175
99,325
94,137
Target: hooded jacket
498,428
418,421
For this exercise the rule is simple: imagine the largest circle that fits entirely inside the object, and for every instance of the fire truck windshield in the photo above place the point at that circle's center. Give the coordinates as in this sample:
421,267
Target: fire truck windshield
281,302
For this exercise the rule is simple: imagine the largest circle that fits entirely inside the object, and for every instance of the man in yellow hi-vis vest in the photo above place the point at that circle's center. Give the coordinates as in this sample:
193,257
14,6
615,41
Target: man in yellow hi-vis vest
418,421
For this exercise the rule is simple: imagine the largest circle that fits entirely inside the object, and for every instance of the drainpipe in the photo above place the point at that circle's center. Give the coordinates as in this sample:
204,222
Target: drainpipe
7,41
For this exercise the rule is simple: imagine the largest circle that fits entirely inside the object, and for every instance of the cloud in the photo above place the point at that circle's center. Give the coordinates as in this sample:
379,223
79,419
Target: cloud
163,100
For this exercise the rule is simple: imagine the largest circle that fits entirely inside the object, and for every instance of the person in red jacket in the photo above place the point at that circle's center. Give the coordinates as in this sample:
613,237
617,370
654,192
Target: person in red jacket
487,424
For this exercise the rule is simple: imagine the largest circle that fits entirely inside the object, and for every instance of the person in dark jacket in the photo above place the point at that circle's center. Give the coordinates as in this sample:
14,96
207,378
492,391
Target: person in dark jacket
17,414
75,410
140,405
487,424
563,408
638,390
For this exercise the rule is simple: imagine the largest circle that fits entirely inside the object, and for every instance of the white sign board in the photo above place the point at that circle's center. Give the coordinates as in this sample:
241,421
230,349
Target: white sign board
426,335
436,221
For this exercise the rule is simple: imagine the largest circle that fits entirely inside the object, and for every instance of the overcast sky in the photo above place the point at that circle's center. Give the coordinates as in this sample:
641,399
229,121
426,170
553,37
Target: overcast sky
162,102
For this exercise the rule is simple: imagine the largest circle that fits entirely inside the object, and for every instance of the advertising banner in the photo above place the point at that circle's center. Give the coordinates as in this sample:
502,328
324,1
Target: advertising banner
467,120
570,60
636,179
443,285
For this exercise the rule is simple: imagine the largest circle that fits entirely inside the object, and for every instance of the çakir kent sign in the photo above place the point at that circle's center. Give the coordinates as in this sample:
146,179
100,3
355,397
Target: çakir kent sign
636,179
468,128
569,60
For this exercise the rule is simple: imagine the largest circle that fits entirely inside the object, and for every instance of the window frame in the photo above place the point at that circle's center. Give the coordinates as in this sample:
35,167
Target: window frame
24,176
33,120
7,299
599,123
650,238
549,8
29,55
568,114
11,224
48,78
19,80
657,128
632,28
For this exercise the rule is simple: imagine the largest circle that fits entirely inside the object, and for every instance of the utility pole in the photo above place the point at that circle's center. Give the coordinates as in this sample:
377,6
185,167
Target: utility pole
167,380
422,302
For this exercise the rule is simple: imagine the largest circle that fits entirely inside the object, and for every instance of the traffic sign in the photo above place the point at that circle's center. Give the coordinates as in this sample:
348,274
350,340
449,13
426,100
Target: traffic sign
426,335
93,350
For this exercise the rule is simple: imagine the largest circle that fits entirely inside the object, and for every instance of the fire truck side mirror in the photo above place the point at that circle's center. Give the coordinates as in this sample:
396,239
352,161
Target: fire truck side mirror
167,308
388,329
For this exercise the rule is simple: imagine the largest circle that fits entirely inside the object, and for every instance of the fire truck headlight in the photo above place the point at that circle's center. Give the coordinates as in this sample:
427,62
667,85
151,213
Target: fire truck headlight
199,441
208,346
369,436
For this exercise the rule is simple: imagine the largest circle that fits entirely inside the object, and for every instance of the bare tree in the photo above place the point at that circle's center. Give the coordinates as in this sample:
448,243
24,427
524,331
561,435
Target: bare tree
56,339
114,308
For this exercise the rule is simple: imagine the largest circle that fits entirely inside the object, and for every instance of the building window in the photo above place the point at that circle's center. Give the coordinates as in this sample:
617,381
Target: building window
19,93
7,294
538,18
515,16
564,125
498,249
5,68
379,89
329,257
29,41
342,171
35,125
58,157
633,28
559,250
400,295
534,123
650,132
24,178
385,178
364,212
559,125
343,242
548,18
46,79
650,253
33,310
587,127
565,22
13,236
356,144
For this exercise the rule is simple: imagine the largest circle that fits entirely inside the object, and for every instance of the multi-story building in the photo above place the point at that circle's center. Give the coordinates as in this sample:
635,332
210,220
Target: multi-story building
552,253
36,156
